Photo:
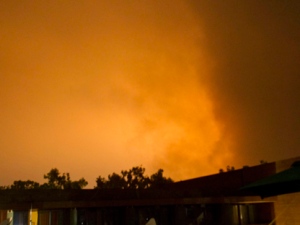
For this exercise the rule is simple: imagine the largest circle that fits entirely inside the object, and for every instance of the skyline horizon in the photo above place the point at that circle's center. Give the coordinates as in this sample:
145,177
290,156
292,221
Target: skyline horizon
225,169
186,86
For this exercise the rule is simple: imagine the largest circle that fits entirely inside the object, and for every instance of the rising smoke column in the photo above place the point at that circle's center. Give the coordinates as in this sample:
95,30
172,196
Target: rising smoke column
94,88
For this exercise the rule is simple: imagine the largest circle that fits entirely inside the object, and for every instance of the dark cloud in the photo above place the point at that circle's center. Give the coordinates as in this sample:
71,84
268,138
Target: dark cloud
255,86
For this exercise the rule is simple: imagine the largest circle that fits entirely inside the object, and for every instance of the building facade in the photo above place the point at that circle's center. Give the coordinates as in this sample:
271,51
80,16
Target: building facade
211,200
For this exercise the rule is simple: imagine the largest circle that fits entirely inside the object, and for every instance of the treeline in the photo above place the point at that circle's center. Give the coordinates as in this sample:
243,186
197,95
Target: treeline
133,178
55,180
231,168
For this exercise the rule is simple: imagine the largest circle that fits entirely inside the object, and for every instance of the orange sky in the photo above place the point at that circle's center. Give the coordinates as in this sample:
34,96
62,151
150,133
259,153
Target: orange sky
93,88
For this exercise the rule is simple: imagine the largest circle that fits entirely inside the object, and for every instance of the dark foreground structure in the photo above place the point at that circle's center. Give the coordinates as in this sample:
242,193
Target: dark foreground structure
211,200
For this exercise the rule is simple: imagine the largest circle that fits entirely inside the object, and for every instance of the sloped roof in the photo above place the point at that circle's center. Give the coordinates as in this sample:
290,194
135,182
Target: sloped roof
227,183
287,181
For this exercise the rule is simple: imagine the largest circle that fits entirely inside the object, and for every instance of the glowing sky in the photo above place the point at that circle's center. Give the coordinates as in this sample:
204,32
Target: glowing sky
96,87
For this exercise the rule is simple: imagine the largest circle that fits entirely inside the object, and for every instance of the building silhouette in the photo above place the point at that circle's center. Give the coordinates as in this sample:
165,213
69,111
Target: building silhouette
210,200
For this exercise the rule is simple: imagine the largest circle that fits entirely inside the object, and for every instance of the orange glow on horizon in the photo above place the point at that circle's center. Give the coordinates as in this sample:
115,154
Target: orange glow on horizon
96,98
97,87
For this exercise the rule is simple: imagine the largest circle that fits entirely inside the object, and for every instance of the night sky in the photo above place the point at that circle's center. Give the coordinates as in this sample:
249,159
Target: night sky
96,87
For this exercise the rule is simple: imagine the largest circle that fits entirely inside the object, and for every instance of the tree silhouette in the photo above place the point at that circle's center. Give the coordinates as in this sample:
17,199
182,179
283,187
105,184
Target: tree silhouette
79,184
23,185
133,178
158,180
57,181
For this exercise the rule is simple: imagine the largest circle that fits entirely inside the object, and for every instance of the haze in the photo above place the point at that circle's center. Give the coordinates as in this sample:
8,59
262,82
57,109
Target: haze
96,87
